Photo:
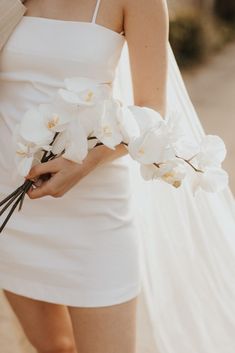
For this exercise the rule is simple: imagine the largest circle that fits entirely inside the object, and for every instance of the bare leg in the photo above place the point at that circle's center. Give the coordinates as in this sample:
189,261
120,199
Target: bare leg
47,326
110,329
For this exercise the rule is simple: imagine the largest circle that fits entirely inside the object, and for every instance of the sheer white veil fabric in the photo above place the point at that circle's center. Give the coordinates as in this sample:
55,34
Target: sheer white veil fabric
187,247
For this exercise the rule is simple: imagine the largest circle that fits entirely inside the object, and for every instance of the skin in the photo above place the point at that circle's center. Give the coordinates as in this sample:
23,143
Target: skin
108,329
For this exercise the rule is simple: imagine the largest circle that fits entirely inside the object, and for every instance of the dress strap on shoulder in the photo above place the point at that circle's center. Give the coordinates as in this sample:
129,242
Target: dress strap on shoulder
96,10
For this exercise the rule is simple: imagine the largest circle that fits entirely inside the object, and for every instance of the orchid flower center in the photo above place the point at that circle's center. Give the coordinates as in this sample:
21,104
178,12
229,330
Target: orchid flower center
21,153
177,183
53,121
89,96
141,150
168,175
24,151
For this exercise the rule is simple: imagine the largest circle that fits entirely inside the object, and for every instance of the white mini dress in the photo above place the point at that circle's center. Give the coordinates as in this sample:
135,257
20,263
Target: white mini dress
81,249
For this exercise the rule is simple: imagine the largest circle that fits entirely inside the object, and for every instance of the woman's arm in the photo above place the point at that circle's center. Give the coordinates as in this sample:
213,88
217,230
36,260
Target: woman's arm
146,30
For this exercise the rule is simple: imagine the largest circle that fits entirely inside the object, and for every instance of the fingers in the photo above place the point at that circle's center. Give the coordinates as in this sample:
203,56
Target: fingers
39,191
62,176
51,187
43,168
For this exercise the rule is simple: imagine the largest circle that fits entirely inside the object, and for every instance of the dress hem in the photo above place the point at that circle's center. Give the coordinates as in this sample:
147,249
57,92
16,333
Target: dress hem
69,296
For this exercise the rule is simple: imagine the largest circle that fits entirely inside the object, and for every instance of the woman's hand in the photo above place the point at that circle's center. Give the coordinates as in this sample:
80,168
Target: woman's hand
64,174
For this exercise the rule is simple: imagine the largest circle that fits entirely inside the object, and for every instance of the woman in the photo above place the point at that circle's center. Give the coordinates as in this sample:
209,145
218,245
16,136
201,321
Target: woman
96,247
187,295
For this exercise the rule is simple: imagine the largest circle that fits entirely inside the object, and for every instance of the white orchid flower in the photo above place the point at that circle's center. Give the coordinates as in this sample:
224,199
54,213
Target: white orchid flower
89,117
107,125
212,152
146,117
39,125
58,113
211,180
60,143
152,146
33,128
84,91
172,172
24,158
186,149
26,153
174,126
127,123
208,174
76,144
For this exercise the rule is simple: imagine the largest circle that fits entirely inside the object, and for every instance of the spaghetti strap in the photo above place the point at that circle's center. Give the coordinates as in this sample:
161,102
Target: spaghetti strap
95,14
96,11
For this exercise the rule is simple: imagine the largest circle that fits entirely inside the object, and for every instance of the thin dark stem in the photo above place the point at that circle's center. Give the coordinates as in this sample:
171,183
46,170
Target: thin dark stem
22,200
92,138
28,185
8,204
18,195
10,213
156,165
98,144
44,157
124,143
11,195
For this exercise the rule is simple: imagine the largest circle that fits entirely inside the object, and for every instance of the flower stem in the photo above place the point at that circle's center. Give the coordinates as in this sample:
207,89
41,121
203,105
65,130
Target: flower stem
191,165
10,213
27,186
10,196
156,165
10,201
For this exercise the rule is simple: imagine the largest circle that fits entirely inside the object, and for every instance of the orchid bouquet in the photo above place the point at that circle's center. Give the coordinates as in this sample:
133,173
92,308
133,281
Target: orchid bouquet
84,114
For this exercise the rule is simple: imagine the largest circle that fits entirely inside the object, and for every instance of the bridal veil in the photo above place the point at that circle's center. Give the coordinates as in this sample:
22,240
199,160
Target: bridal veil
187,247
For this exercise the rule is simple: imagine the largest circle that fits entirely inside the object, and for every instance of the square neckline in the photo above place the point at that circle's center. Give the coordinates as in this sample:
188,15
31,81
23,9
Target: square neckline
79,22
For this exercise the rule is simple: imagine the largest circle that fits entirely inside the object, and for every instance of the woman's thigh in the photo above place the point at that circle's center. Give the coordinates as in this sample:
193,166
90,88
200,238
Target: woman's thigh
47,326
110,329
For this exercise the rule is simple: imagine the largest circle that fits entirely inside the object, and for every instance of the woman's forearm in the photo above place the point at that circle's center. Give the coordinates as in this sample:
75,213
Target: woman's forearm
100,155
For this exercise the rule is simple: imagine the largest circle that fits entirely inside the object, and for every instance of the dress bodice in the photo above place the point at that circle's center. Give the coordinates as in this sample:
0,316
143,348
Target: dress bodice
58,48
41,52
39,55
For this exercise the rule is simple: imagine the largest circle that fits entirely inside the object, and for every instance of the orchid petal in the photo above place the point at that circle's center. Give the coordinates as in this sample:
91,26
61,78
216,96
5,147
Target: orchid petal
213,179
24,166
56,118
77,146
149,171
212,151
151,147
60,143
127,124
106,129
33,128
146,117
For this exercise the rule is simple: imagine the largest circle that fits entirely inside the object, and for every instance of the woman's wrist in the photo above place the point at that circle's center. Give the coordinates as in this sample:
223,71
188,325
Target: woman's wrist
102,154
